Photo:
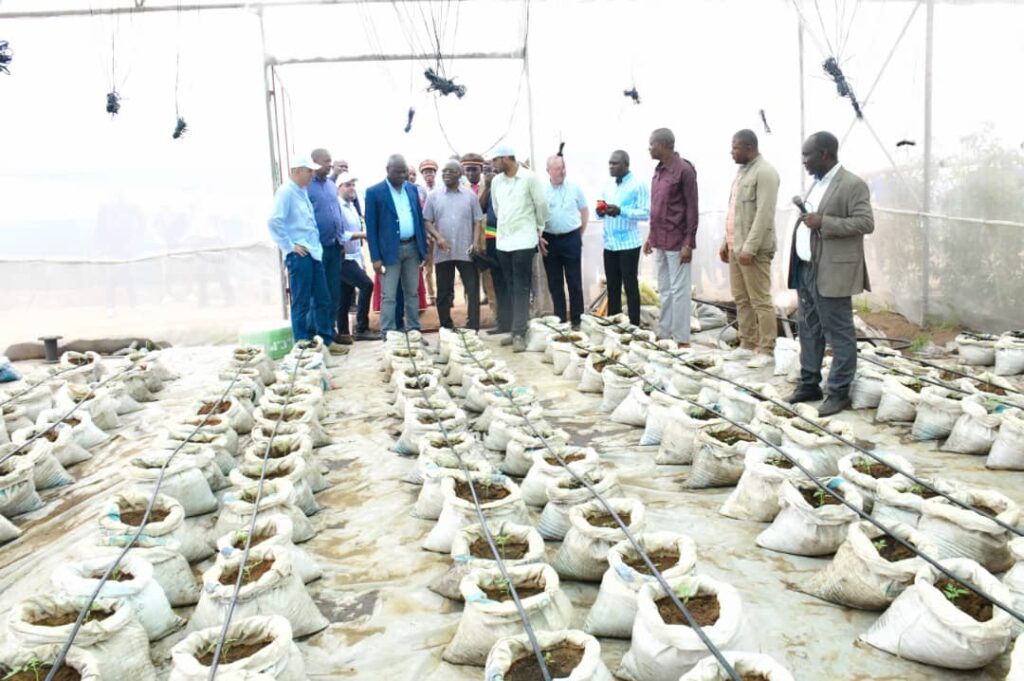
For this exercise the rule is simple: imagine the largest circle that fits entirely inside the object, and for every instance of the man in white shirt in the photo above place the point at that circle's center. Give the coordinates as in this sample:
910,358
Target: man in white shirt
353,276
567,221
521,205
826,267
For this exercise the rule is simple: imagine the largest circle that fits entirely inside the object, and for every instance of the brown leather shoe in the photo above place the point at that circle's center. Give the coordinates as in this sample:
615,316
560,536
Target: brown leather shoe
345,339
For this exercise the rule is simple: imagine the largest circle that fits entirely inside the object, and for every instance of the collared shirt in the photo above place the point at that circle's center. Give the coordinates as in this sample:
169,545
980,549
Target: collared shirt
564,205
521,207
351,223
674,205
453,213
633,198
406,226
813,203
323,194
292,223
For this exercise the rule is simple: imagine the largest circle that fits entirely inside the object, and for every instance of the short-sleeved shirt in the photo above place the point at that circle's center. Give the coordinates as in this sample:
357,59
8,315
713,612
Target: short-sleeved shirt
453,213
564,205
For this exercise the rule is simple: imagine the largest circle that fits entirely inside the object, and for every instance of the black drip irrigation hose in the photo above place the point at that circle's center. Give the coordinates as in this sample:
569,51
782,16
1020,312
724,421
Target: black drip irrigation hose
933,365
538,651
669,591
252,523
826,489
26,391
941,384
59,661
836,436
92,393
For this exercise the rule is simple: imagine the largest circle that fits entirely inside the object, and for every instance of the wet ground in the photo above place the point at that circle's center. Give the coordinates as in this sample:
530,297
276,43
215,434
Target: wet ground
387,625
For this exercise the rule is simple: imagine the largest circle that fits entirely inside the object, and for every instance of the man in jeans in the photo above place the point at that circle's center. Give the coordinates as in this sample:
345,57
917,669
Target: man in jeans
293,228
323,194
398,242
673,234
455,212
567,221
353,276
521,206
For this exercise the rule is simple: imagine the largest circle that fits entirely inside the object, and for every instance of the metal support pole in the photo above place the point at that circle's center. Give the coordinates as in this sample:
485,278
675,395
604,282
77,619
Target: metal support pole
529,110
275,173
803,111
926,204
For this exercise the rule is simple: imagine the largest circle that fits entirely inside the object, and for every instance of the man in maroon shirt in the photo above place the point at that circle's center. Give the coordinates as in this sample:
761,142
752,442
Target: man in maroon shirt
673,234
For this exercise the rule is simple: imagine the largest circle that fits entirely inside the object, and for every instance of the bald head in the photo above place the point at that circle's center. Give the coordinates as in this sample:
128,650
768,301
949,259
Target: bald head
450,174
556,170
662,144
398,170
322,157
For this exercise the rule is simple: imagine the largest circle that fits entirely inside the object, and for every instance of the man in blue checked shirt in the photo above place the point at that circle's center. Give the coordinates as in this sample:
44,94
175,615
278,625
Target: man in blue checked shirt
323,194
628,203
293,228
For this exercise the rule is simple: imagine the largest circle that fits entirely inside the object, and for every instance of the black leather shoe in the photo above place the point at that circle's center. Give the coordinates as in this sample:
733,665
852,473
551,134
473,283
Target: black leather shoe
834,404
805,393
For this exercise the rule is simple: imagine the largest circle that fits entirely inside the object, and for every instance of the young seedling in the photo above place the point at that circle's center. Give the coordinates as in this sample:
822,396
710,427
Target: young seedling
880,545
917,489
211,648
953,592
34,666
686,593
819,497
501,541
548,658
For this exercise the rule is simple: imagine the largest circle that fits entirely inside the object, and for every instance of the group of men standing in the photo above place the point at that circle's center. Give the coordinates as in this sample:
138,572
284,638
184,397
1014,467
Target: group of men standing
488,219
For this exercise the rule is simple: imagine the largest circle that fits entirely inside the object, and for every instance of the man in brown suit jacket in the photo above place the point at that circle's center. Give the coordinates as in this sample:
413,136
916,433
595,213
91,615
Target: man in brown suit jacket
826,267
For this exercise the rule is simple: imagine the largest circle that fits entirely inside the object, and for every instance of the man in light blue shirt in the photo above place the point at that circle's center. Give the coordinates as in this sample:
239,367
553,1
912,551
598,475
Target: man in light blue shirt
563,232
626,203
293,228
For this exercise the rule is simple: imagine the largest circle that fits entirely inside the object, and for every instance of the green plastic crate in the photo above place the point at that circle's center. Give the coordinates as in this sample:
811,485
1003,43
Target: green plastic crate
275,337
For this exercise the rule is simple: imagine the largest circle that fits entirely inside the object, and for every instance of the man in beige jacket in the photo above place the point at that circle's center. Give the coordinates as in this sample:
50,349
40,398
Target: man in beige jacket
749,247
826,267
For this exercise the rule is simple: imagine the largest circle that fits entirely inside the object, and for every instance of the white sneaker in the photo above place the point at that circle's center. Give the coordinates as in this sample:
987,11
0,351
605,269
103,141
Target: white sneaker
759,361
739,354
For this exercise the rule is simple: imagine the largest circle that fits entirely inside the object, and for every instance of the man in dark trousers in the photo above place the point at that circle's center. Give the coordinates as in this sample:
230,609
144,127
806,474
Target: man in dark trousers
397,239
323,194
826,267
567,221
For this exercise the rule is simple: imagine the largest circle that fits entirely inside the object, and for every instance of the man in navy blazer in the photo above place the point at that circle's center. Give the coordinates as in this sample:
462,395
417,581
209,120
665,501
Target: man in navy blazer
397,238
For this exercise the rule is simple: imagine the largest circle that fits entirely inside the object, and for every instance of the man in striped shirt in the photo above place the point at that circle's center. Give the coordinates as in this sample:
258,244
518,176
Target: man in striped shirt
627,204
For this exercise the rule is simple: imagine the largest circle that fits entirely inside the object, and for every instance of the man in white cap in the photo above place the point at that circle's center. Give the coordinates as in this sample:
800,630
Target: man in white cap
521,204
353,276
293,228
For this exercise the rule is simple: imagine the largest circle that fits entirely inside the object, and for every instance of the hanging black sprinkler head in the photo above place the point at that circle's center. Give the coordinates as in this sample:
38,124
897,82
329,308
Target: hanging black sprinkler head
113,103
408,122
180,128
632,94
6,57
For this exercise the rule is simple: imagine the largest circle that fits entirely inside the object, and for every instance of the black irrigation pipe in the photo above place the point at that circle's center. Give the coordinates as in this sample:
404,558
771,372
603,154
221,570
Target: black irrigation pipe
836,436
669,591
537,650
941,384
26,391
864,516
252,523
933,365
59,661
92,392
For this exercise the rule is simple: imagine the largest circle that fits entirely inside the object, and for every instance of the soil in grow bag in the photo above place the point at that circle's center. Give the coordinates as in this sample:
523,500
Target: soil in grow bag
495,380
568,458
779,462
72,421
279,450
873,468
51,435
426,419
966,600
232,652
992,389
701,414
60,619
779,411
922,492
703,608
818,498
701,363
118,575
484,492
602,519
560,661
80,361
892,550
251,574
916,387
133,516
753,676
213,407
508,548
573,483
420,382
731,437
663,559
600,364
254,474
452,440
500,591
986,509
38,672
